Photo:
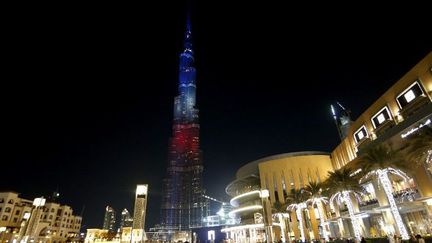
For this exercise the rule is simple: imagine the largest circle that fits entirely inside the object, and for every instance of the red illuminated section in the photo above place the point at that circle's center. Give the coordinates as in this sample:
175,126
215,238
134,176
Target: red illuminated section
184,147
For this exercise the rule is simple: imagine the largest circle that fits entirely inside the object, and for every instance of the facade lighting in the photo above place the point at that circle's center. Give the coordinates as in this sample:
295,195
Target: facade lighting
243,195
248,208
141,190
264,193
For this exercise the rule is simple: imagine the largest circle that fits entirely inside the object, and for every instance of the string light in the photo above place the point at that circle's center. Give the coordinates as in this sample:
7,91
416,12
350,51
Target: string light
385,181
356,227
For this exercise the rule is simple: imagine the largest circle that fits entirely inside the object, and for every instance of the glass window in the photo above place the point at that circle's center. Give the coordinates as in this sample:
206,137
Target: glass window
380,117
5,218
17,212
360,134
7,210
410,94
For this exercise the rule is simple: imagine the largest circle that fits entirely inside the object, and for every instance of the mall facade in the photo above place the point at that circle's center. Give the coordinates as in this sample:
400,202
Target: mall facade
262,186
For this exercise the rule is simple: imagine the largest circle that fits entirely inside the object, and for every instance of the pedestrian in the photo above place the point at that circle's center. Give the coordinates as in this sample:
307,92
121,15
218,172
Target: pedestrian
363,240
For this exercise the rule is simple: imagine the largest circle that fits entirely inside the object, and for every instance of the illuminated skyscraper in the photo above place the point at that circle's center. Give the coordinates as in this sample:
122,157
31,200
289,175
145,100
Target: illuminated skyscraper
126,220
139,213
183,205
109,219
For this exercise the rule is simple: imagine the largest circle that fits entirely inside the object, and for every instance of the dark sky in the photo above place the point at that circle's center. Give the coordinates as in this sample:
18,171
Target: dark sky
88,90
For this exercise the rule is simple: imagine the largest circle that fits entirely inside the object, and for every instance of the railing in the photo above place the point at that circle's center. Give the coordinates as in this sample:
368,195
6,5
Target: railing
406,195
368,202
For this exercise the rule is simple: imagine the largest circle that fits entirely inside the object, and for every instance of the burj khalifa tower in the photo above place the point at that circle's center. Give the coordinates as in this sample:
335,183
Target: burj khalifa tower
183,204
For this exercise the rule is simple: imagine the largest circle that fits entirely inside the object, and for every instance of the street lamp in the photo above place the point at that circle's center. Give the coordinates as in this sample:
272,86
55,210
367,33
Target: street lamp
264,194
2,232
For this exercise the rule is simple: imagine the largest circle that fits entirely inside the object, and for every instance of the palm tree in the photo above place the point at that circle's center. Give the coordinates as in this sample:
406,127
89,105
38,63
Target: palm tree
314,191
296,201
343,184
378,162
279,210
419,147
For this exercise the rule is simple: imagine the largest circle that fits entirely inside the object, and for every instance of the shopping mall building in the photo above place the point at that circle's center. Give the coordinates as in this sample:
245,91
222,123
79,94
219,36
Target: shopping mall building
400,113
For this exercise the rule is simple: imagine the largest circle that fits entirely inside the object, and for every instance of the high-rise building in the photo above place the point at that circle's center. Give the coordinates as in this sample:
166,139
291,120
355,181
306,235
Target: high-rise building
126,220
183,205
109,219
138,225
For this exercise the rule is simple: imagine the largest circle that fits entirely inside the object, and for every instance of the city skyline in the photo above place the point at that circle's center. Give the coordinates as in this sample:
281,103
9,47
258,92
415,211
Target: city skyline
261,93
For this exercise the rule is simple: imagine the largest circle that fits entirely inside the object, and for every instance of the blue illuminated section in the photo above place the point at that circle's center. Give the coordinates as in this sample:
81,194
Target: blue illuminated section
185,111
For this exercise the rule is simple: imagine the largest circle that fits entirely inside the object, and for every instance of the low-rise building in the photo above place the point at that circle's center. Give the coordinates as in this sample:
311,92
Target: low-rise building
54,222
400,114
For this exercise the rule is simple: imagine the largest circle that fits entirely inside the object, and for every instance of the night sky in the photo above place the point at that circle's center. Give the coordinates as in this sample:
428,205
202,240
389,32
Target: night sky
88,90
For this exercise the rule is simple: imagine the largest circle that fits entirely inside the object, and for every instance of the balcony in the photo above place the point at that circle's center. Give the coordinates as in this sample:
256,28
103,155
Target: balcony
414,106
382,128
406,195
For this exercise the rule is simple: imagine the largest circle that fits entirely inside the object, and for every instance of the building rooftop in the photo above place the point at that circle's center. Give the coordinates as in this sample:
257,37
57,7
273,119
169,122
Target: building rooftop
252,167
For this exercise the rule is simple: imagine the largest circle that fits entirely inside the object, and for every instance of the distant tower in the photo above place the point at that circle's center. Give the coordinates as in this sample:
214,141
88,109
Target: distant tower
183,204
138,226
126,220
343,123
109,219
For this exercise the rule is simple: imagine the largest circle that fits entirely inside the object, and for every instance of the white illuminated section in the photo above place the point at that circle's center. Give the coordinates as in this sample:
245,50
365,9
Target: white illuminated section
381,118
385,182
141,190
244,209
354,222
242,227
211,235
409,96
39,202
243,195
360,133
264,193
26,215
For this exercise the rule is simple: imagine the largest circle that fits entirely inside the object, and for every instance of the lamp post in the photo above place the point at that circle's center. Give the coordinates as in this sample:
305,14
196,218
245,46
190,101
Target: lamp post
34,218
2,232
264,194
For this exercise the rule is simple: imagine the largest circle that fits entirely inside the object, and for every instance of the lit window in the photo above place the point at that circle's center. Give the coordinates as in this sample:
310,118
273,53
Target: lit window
409,96
360,134
380,117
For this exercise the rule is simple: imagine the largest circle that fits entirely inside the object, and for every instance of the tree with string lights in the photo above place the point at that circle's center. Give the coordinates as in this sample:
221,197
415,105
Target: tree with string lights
297,202
343,184
378,163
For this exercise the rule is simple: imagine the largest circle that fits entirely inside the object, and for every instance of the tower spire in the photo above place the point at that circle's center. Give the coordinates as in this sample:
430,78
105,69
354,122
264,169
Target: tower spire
188,35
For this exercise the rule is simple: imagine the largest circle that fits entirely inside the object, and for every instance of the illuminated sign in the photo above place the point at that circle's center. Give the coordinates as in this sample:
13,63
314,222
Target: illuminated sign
414,129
